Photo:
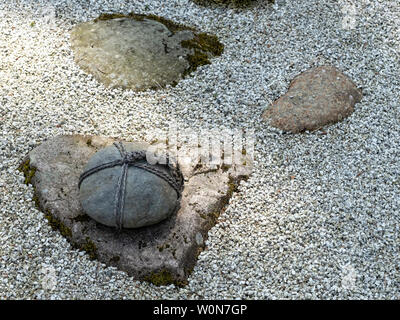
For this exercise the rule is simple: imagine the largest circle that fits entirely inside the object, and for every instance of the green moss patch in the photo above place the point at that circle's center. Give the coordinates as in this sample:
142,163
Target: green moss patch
203,46
164,278
109,16
233,185
28,171
206,43
89,142
90,248
172,26
57,225
82,218
115,259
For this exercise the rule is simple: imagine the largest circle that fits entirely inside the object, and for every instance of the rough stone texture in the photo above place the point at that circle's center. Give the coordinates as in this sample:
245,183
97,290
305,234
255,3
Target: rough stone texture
149,199
131,53
317,97
161,253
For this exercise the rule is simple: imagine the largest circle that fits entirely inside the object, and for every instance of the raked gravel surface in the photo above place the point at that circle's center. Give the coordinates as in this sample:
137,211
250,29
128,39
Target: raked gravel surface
320,216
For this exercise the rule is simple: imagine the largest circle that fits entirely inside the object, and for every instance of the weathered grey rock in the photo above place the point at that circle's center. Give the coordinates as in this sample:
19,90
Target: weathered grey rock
134,52
148,199
162,253
315,98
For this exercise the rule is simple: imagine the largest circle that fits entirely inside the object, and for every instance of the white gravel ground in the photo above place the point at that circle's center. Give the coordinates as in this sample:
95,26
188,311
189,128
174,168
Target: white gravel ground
319,218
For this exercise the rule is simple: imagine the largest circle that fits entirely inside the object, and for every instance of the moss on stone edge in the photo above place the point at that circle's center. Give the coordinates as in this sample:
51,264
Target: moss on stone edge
57,225
164,278
172,26
115,259
233,185
205,42
203,45
82,218
27,170
89,246
109,16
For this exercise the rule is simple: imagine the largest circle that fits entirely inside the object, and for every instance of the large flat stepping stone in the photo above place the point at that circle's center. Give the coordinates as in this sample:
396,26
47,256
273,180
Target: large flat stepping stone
163,253
315,98
140,52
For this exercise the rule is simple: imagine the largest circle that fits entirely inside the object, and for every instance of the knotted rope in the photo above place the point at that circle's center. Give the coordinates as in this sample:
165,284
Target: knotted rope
175,180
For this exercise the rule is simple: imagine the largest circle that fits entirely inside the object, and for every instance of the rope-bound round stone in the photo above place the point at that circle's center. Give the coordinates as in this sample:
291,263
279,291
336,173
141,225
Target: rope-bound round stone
119,188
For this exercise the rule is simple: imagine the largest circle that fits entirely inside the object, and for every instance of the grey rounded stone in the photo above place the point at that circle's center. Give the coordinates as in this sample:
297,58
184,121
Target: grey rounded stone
149,199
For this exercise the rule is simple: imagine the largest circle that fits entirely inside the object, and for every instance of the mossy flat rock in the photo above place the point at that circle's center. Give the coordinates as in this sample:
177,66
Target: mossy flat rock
163,253
317,97
138,52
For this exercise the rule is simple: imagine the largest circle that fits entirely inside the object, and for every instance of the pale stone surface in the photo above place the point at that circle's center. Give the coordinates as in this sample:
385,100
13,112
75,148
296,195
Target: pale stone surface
149,199
130,53
170,246
315,98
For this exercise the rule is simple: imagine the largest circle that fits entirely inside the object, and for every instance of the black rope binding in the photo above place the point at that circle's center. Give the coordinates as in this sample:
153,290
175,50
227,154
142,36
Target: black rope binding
175,180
